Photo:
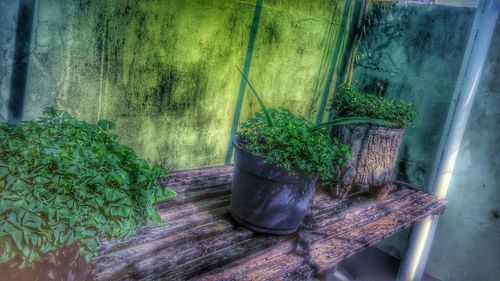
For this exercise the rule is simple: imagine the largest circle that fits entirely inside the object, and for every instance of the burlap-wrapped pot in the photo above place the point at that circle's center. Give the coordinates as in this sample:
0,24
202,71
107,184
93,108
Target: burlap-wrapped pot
374,153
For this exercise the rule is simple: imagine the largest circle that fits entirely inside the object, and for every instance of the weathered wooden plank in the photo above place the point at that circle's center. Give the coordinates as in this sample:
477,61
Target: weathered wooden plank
199,239
267,262
370,211
106,265
236,269
162,260
213,260
323,203
195,195
193,207
354,204
330,252
196,176
153,232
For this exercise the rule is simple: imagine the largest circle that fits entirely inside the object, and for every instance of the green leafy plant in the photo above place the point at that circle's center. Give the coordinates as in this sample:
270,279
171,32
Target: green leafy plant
65,181
290,143
288,140
351,102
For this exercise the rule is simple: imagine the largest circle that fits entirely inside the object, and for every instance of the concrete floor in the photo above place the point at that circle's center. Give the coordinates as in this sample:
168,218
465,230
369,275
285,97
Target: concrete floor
371,264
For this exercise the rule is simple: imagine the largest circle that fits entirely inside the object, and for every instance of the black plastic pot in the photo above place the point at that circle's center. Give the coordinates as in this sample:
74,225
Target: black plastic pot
267,198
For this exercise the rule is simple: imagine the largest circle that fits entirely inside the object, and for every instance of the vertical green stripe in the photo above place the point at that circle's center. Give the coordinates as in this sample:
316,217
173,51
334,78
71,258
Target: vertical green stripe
358,11
333,63
243,84
324,60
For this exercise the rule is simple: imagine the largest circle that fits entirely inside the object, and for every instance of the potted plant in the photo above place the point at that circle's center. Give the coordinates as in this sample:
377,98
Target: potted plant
65,183
374,147
278,158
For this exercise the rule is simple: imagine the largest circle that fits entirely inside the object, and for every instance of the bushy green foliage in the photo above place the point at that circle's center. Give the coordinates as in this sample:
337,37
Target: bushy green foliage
64,181
290,143
351,102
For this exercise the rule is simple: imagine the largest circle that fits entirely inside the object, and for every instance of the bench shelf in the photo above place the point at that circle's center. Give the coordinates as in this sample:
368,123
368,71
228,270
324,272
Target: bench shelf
199,240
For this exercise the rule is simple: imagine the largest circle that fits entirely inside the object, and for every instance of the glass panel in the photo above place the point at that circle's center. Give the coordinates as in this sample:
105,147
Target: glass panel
472,215
414,52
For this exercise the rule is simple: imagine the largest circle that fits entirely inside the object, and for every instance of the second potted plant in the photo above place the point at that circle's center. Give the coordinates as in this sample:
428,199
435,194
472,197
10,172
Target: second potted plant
374,146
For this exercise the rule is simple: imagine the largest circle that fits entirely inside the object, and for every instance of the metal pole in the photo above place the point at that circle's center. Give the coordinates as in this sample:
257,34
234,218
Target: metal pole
413,265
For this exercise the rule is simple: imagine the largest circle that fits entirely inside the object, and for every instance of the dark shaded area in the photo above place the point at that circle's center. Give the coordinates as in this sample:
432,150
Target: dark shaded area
377,87
495,214
21,60
271,32
402,172
371,264
169,97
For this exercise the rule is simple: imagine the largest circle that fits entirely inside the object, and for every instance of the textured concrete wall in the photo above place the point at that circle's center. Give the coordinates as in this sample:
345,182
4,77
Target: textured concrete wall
467,241
414,52
164,70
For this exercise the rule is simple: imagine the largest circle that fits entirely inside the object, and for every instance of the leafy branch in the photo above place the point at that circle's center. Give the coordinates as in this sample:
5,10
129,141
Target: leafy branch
352,120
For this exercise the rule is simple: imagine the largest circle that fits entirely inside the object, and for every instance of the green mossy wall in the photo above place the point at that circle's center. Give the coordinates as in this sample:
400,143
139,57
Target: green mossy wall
164,71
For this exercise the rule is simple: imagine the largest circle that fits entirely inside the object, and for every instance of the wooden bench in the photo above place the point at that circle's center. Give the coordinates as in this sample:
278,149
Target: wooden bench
199,240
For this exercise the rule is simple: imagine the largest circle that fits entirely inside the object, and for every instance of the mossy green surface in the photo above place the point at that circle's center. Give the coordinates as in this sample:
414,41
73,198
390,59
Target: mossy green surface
292,55
164,72
351,102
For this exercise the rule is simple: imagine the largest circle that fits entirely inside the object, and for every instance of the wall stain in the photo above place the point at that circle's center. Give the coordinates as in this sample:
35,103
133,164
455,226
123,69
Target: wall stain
272,33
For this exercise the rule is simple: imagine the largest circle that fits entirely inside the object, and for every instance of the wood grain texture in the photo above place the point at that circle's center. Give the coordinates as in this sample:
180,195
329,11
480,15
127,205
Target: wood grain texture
199,240
374,151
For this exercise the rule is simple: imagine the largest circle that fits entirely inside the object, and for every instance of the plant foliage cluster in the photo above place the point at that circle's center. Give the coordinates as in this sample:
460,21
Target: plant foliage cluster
64,181
291,143
350,101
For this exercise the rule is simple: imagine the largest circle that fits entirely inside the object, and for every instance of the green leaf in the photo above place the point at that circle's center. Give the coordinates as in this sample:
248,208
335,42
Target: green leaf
353,120
7,253
168,194
261,103
106,125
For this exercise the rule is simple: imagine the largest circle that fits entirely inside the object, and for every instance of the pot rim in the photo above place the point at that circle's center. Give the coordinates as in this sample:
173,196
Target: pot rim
290,177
